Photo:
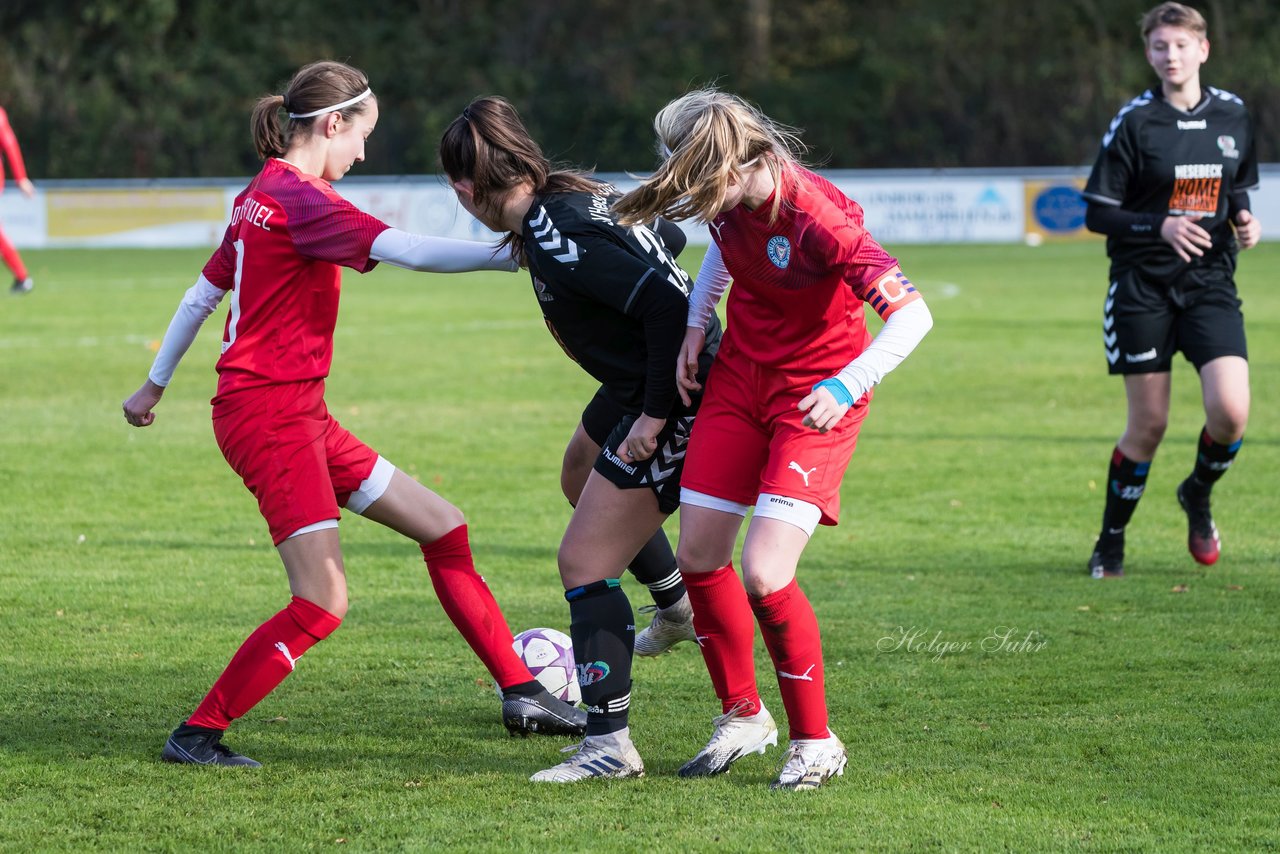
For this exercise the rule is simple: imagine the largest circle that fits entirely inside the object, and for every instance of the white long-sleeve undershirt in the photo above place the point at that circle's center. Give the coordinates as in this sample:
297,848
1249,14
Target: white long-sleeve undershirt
708,287
900,334
430,254
197,304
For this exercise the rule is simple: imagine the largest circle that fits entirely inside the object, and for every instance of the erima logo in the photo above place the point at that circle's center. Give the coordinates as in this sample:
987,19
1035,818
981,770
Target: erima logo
779,251
795,466
1145,356
1197,125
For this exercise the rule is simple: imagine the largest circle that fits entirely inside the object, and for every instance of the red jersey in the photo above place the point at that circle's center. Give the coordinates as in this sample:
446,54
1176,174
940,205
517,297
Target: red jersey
800,281
280,257
9,143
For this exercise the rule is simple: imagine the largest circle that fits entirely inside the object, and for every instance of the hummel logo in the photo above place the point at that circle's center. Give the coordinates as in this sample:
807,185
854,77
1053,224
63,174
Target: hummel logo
803,677
795,466
284,650
1144,356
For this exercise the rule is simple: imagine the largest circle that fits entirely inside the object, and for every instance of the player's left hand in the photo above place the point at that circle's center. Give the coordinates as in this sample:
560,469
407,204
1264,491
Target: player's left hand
821,409
1248,230
642,441
28,189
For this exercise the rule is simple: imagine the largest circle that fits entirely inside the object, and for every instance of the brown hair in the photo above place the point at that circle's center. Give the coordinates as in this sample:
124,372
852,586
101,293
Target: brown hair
313,87
1174,15
707,137
490,146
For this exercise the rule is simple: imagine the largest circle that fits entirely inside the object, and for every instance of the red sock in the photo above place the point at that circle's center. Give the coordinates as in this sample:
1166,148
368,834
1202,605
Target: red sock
790,630
472,608
726,633
263,661
12,258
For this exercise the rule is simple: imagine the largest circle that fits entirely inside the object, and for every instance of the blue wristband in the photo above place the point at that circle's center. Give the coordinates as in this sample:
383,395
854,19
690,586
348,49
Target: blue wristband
838,391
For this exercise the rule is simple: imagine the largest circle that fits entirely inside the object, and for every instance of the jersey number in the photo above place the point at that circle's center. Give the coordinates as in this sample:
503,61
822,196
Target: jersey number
234,317
655,247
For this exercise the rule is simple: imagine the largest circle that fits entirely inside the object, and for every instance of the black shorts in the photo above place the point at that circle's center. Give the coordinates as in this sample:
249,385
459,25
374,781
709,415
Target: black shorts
1145,321
607,423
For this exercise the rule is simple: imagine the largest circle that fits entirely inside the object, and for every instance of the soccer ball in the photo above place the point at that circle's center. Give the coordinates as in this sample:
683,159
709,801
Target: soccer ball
549,656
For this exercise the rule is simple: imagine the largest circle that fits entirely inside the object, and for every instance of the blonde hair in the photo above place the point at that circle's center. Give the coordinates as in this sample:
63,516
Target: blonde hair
708,137
1174,15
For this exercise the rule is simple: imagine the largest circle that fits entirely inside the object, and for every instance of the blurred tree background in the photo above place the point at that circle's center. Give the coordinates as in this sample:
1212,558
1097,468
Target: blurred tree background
163,88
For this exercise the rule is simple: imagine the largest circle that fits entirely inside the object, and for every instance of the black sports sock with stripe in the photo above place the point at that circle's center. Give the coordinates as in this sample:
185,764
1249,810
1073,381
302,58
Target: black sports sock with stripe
603,630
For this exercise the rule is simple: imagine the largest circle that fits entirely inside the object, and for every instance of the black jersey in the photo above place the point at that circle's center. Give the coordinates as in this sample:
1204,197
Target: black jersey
1156,159
612,296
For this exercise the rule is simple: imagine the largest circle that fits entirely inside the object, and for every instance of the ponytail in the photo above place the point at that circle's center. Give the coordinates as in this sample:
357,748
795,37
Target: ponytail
268,136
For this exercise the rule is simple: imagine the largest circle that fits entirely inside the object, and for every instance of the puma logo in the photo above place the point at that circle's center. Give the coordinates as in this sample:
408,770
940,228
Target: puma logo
284,650
795,466
803,677
717,227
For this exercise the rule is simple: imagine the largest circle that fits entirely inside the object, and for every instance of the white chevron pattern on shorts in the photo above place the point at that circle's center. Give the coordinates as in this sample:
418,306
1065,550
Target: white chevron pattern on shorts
549,238
1108,321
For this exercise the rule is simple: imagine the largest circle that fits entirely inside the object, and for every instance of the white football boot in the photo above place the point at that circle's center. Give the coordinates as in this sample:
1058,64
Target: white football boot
597,756
810,762
735,736
670,626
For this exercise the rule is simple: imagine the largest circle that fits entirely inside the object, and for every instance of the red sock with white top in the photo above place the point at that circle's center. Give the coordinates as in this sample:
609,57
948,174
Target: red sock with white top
790,630
471,606
263,661
726,634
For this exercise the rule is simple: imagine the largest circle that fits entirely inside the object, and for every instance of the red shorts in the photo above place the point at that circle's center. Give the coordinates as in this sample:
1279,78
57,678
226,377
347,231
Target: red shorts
748,438
298,461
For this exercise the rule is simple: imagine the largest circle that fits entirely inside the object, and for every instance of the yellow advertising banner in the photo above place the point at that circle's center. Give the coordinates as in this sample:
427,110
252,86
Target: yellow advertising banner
1055,211
101,213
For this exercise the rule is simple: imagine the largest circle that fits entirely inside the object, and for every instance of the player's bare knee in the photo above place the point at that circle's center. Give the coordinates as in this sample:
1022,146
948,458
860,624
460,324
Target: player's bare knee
697,558
1228,424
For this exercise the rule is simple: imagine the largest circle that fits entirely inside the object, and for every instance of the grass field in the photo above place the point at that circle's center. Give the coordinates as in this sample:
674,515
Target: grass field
1127,715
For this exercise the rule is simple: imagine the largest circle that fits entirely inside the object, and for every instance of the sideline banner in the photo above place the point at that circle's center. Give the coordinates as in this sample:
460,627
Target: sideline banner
135,217
1055,211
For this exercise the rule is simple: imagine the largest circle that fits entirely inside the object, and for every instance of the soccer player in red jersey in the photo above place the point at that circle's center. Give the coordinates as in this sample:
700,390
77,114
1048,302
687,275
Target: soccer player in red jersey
280,261
22,283
1170,189
782,407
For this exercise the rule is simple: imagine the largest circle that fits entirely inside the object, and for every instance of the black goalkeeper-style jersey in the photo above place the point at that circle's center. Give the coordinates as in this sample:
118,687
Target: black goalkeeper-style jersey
612,296
1156,159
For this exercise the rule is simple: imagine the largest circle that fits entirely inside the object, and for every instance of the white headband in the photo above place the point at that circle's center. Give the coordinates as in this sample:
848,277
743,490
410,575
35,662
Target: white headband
357,99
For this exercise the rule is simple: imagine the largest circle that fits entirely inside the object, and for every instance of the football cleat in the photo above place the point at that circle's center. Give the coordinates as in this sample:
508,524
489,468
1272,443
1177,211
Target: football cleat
597,756
542,714
190,745
735,736
22,286
670,626
1202,535
810,762
1107,560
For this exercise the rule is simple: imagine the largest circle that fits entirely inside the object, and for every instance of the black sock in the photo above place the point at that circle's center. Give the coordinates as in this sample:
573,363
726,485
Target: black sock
532,688
602,625
654,566
1126,480
1212,461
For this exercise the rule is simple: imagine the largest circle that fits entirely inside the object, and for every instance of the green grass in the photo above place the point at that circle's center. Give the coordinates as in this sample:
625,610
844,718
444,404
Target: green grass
133,562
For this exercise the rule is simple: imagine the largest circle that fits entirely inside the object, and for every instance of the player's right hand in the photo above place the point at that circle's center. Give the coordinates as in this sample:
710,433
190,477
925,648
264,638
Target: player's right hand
687,363
1185,236
137,409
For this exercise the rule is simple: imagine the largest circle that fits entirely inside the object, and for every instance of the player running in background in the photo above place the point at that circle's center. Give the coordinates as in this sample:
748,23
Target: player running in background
782,408
22,282
1170,189
616,301
280,261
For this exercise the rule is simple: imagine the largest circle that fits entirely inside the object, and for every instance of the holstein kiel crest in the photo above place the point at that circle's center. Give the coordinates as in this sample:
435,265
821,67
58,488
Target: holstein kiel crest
779,251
